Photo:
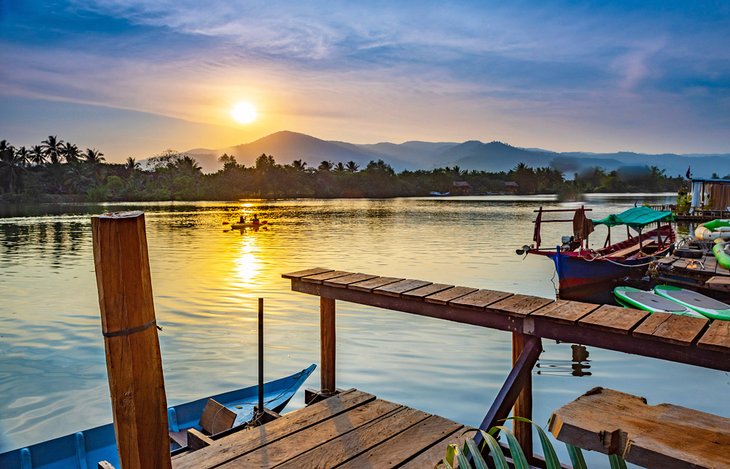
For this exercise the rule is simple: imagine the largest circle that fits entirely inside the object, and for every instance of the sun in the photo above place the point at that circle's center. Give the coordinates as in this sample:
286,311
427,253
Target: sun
244,113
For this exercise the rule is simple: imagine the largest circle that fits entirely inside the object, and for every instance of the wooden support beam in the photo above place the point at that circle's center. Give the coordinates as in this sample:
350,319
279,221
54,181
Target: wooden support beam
134,363
513,385
328,342
523,404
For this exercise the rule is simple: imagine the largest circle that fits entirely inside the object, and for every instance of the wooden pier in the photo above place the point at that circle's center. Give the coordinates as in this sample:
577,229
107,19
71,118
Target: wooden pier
353,428
702,274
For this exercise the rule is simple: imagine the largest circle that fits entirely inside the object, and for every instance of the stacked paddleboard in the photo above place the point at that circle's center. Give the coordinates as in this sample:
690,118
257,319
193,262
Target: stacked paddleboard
674,300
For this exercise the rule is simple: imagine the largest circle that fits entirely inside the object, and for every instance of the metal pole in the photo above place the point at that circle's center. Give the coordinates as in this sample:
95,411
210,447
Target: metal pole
261,358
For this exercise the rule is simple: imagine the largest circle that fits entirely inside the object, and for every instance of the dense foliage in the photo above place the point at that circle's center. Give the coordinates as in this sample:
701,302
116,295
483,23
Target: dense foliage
59,170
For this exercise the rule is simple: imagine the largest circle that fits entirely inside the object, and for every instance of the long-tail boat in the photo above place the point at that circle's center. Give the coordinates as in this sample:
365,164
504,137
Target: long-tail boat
584,273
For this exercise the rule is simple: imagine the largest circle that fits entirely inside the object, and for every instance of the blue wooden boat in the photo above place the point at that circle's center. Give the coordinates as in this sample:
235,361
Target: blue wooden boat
583,273
84,449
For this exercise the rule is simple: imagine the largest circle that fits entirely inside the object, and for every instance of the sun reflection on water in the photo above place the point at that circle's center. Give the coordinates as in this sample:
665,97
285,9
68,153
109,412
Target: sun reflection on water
247,264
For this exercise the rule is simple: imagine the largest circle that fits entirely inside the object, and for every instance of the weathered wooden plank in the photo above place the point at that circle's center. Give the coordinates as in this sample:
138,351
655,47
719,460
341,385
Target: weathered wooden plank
347,280
369,285
328,340
614,318
306,272
719,281
134,362
398,288
444,296
682,330
520,305
717,337
565,311
480,298
663,435
666,260
298,443
423,292
405,445
356,442
242,442
319,278
434,454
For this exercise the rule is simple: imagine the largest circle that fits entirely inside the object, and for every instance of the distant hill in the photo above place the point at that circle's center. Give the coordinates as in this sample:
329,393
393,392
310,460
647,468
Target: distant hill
288,146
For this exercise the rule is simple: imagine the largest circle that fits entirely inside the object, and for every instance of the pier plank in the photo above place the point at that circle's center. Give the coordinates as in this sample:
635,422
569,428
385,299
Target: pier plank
717,337
370,285
423,292
613,422
565,311
614,319
480,299
443,297
407,444
319,278
437,452
397,288
520,305
348,279
242,442
278,452
306,272
356,442
682,330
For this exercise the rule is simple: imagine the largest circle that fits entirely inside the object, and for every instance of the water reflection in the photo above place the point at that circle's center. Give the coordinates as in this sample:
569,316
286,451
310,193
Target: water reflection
207,279
578,365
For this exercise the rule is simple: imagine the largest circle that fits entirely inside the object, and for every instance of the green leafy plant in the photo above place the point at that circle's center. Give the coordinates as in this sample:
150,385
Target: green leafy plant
469,456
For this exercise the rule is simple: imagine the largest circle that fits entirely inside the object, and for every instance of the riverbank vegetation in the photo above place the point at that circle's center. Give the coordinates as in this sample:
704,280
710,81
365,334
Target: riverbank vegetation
58,170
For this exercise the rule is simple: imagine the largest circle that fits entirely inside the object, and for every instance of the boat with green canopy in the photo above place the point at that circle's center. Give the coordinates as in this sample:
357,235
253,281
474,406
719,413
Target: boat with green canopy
583,272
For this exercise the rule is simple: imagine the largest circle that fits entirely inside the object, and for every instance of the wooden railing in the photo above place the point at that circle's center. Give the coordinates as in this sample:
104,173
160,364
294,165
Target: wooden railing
670,337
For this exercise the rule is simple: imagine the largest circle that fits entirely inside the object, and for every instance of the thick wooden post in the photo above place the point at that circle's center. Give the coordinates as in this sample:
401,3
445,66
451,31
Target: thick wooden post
523,404
134,364
327,338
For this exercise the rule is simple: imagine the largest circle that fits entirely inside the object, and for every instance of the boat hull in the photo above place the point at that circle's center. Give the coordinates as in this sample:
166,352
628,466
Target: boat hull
84,449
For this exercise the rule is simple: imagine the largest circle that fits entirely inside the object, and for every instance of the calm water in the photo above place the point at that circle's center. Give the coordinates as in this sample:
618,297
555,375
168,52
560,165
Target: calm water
206,282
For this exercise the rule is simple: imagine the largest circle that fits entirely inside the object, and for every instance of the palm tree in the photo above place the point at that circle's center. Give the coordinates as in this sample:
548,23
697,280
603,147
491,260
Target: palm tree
24,156
37,156
299,165
325,166
93,157
71,152
339,167
132,165
11,166
352,167
52,148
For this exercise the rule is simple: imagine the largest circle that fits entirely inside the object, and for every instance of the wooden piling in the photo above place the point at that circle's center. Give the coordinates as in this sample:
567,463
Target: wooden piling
523,404
134,364
327,338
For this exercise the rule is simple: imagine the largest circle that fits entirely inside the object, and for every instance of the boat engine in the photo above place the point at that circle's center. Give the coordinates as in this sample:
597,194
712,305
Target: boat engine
569,243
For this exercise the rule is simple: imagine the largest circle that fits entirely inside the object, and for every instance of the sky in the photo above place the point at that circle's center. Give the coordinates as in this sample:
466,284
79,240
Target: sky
134,78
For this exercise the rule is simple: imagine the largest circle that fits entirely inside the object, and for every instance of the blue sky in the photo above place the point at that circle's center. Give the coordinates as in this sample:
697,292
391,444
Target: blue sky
134,78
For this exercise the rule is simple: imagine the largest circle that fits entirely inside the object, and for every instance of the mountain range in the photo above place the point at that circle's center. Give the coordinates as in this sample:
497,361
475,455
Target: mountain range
286,146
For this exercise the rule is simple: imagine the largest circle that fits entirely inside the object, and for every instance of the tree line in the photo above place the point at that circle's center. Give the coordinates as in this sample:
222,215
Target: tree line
58,170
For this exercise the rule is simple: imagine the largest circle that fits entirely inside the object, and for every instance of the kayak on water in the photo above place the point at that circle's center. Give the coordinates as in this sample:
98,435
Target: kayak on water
703,304
236,226
647,301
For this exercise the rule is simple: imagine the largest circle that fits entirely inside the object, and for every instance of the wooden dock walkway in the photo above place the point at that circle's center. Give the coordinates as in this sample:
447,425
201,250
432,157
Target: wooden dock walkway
352,429
703,274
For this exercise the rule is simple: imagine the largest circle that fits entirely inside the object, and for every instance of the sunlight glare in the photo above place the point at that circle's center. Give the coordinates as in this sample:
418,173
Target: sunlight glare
244,113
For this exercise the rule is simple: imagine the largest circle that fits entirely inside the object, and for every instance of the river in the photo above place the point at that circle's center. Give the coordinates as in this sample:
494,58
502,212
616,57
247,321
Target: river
207,279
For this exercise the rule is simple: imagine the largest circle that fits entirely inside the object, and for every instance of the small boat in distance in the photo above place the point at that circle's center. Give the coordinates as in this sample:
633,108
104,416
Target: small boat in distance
238,226
84,449
584,273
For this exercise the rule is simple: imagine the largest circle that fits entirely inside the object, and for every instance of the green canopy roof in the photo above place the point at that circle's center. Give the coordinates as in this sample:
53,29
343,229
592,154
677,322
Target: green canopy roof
636,217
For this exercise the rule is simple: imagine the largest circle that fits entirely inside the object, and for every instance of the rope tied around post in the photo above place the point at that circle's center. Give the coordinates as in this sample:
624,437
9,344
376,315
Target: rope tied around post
132,330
